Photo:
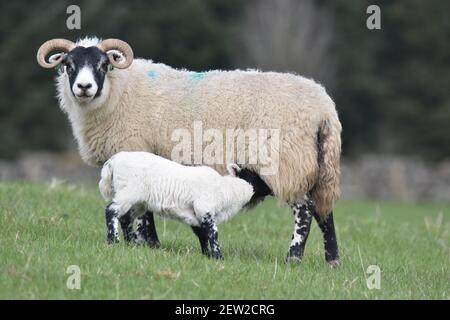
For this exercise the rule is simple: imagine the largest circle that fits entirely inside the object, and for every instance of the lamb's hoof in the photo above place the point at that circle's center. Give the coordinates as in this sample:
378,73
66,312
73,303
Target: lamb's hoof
154,244
206,253
112,242
216,256
138,243
334,263
293,259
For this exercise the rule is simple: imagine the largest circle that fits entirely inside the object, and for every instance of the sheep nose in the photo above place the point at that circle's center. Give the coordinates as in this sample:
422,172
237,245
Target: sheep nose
84,86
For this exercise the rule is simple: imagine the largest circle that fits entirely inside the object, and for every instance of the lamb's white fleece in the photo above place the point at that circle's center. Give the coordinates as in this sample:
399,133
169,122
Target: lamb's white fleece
141,179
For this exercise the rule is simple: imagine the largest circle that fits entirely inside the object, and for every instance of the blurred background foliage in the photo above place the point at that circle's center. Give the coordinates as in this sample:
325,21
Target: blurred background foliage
391,86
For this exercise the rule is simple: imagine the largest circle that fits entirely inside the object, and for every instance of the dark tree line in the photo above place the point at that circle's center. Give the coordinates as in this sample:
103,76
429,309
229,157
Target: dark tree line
391,86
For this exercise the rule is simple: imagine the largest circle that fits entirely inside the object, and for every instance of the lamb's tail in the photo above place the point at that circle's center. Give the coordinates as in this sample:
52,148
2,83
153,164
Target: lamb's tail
327,191
106,184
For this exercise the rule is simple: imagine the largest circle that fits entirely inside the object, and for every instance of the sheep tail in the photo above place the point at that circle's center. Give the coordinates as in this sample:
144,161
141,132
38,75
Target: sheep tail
327,190
105,185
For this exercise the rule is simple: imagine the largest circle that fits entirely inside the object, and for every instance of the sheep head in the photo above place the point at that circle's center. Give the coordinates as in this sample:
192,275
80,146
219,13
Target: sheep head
84,65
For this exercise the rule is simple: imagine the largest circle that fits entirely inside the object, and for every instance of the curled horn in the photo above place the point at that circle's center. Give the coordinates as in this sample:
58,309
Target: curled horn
53,45
122,46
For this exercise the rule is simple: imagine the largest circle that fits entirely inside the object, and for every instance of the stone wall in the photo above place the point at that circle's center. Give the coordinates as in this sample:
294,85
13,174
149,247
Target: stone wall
384,177
389,177
43,166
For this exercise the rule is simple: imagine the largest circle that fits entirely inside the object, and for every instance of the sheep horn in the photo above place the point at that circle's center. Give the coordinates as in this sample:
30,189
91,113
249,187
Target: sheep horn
52,45
122,46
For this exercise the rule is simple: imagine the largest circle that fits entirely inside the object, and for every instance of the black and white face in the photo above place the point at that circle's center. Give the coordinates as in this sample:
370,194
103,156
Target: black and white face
260,188
84,66
86,69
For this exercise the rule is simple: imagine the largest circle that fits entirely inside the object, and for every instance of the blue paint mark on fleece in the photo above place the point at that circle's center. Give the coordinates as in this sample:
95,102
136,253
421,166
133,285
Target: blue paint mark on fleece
151,74
197,75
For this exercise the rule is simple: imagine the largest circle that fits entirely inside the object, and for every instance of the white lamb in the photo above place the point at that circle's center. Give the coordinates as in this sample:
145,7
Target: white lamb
138,181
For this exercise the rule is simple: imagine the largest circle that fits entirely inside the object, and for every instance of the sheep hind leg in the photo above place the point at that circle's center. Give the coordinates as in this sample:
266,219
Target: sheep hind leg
112,224
213,237
145,230
202,235
329,239
303,216
126,223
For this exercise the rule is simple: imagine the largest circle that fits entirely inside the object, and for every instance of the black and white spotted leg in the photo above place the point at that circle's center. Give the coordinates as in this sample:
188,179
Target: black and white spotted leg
202,235
213,237
144,231
140,231
329,239
303,215
126,223
112,225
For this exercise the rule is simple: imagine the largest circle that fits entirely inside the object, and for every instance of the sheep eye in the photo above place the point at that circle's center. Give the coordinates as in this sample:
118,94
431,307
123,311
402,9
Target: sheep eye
104,66
69,69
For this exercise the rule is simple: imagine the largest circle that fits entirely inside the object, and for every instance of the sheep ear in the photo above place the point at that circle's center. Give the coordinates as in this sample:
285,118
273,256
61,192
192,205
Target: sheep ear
116,55
233,169
56,57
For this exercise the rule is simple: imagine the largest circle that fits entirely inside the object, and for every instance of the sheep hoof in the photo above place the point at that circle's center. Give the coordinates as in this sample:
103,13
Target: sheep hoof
334,263
216,256
154,244
138,242
112,242
293,259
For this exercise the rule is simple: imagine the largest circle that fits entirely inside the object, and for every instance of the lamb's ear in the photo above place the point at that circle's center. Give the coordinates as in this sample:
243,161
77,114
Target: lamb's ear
233,169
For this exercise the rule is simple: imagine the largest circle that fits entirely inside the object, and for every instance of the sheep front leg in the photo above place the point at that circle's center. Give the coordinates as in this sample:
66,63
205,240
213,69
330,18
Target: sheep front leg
329,239
112,225
210,226
303,216
152,240
202,235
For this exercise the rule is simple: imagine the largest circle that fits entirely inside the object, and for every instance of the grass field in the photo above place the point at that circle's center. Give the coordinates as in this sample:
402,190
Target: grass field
44,230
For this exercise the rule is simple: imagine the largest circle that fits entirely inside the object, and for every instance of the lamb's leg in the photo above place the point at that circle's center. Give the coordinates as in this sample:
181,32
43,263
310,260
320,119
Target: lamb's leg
303,215
126,223
329,239
211,228
152,238
112,225
143,229
140,236
202,235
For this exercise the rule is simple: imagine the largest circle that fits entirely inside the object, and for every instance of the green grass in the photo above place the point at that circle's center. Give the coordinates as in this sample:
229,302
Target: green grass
44,230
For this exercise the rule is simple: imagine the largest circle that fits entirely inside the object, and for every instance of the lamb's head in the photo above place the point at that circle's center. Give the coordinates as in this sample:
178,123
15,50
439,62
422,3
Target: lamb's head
85,64
260,187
